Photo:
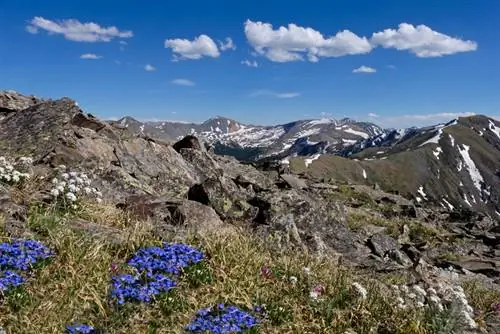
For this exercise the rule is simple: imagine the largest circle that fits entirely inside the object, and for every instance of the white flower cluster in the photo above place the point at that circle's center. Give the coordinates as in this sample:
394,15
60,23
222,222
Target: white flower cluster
70,185
359,291
10,173
443,295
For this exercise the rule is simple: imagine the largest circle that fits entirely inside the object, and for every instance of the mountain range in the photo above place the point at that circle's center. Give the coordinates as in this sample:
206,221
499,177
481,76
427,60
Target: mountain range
455,165
254,142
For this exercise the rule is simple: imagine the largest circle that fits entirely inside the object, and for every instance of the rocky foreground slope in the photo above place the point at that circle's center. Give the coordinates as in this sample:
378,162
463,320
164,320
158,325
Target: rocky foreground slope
184,186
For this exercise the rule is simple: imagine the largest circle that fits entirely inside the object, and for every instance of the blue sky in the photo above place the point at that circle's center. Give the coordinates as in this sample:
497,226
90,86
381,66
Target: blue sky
397,63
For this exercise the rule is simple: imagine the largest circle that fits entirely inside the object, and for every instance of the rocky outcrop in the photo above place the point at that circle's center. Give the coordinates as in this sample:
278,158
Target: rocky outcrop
12,101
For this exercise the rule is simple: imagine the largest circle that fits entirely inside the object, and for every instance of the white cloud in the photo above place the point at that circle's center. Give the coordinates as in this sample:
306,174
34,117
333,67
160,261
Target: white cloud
123,43
265,92
228,45
183,82
250,63
293,42
201,46
392,67
373,115
74,30
421,41
90,56
364,69
149,68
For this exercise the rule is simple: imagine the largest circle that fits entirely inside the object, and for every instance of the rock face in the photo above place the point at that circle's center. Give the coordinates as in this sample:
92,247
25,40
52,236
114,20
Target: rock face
11,101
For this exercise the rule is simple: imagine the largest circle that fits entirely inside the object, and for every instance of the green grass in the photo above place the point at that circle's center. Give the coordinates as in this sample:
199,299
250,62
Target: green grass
75,285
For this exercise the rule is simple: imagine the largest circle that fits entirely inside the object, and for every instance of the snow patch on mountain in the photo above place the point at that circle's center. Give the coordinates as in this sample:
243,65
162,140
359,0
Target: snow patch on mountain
421,192
452,140
494,129
256,137
321,122
357,133
451,207
466,200
474,173
309,160
437,152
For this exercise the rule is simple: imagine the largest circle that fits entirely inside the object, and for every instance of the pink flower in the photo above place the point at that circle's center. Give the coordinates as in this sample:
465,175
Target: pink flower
319,289
114,267
495,307
266,272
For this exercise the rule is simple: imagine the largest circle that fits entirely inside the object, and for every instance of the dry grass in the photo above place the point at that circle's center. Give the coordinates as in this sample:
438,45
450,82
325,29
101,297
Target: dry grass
75,286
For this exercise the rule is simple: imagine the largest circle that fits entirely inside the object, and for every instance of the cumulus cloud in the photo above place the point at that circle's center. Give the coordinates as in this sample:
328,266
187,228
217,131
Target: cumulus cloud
74,30
228,45
293,43
279,95
201,46
421,41
183,82
373,115
90,56
364,69
250,63
296,43
149,68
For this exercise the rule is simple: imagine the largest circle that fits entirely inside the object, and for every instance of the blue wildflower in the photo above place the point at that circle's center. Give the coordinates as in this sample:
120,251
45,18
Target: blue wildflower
169,259
9,280
139,288
22,254
80,329
155,267
222,319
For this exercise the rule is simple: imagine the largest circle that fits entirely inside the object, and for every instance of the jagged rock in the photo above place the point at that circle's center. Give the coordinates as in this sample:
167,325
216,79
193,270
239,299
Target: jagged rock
288,210
293,181
380,244
224,196
478,266
245,174
166,213
190,142
11,101
202,162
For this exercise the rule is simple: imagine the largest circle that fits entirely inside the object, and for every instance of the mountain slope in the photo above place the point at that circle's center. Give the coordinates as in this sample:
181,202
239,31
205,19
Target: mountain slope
453,165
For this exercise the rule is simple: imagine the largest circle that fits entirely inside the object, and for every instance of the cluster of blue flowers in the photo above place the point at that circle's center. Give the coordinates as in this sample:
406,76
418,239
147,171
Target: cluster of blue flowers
222,319
169,259
139,288
156,269
80,329
19,256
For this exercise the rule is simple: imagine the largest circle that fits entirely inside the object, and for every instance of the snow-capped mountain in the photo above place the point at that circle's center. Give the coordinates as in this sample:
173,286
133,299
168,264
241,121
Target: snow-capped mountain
253,142
453,165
